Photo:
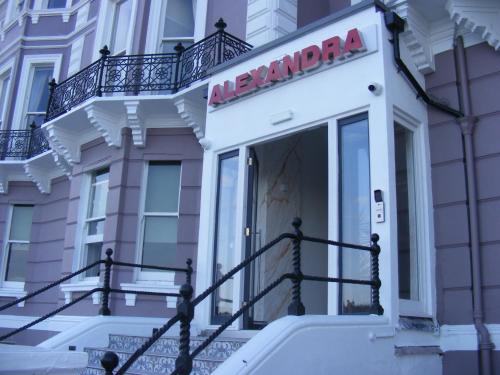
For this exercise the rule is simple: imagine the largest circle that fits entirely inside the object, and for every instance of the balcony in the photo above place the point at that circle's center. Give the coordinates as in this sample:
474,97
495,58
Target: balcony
154,74
22,144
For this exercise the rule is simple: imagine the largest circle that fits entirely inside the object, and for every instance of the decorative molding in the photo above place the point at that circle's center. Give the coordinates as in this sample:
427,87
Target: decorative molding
40,177
82,16
269,20
464,337
135,122
83,286
106,124
76,55
194,114
13,293
65,143
4,184
56,323
478,16
62,163
162,287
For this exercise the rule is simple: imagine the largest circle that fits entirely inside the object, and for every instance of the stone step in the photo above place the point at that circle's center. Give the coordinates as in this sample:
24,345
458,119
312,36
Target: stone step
218,350
148,364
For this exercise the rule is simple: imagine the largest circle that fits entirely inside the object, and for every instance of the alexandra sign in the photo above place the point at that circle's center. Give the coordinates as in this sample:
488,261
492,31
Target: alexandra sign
309,58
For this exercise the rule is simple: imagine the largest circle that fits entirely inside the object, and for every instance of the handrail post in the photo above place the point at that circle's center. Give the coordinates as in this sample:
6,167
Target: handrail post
184,362
30,140
375,288
109,361
220,25
296,307
52,88
104,51
179,49
104,310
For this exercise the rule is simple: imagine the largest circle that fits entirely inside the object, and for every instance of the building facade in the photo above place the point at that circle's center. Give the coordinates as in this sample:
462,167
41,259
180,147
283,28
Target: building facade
341,114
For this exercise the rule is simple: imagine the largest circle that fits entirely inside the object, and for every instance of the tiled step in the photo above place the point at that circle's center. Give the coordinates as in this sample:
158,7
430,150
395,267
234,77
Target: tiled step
149,364
218,350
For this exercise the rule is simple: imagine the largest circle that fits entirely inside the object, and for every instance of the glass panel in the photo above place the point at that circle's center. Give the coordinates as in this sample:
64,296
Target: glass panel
167,46
225,232
93,251
56,4
355,213
160,241
162,194
407,223
179,18
99,194
3,97
121,24
16,262
95,227
20,227
39,94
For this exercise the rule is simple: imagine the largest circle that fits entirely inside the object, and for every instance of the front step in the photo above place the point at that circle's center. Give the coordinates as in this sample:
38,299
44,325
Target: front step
160,358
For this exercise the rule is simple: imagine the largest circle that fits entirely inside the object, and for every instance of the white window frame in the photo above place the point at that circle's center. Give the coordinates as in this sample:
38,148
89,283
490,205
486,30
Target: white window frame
156,23
81,283
6,70
424,306
11,13
152,276
11,288
25,83
104,26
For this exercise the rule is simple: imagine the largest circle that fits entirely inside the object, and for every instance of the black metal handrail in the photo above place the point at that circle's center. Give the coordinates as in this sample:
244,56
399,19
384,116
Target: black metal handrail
185,309
132,74
106,288
22,144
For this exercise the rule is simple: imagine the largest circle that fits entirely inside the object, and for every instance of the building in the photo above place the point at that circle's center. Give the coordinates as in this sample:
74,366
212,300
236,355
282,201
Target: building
340,114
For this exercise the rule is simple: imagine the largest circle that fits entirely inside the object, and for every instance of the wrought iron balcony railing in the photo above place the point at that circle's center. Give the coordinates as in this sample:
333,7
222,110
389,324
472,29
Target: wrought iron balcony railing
155,73
22,144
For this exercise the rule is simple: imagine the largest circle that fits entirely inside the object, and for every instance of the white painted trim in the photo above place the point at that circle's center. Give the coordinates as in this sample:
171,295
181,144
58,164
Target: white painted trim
56,323
29,63
14,292
151,286
82,286
76,55
7,69
464,337
423,204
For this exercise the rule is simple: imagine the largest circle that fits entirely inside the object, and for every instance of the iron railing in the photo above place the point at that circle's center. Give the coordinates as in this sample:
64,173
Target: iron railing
22,144
185,309
155,73
106,289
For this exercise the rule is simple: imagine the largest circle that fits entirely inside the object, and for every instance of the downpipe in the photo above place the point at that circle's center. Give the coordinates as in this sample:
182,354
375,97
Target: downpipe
467,123
466,120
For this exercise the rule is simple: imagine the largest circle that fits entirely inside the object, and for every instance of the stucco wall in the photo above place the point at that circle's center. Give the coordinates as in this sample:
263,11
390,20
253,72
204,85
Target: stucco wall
234,13
311,10
450,206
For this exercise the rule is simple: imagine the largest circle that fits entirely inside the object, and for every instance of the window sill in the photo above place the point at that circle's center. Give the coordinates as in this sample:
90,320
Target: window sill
150,286
82,286
13,292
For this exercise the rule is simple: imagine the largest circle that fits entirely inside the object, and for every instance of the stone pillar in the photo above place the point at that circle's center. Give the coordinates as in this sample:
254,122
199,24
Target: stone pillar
270,19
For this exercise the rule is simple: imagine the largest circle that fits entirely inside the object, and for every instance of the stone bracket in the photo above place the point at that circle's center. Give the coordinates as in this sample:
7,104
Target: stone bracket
135,121
106,124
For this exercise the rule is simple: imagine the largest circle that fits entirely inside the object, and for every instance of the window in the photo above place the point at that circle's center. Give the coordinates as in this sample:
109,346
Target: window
408,262
355,224
225,234
4,87
38,94
178,25
160,217
54,4
121,26
17,244
94,222
15,8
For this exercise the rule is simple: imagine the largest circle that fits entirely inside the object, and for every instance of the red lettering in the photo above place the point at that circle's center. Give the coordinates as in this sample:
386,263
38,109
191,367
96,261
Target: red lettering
274,73
310,58
331,49
228,91
216,96
258,77
291,66
353,42
242,84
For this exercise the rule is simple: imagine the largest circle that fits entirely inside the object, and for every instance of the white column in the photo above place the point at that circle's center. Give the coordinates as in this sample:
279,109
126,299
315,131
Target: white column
270,19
